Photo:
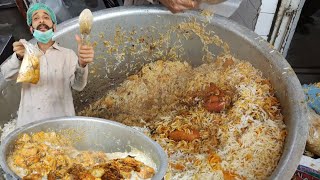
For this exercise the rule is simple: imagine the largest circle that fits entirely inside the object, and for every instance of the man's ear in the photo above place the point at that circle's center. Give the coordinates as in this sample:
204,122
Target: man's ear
31,29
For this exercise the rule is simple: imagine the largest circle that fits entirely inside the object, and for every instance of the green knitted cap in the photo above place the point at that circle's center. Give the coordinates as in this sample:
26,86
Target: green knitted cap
37,6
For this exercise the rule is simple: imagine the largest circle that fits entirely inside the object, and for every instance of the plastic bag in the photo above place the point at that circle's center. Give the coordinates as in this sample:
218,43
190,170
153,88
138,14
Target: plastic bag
30,68
313,142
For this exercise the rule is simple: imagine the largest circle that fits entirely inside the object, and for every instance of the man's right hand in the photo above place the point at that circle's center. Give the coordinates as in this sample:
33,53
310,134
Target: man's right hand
176,6
19,49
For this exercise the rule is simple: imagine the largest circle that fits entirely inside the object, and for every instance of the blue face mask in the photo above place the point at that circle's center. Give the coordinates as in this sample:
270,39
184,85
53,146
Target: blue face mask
43,37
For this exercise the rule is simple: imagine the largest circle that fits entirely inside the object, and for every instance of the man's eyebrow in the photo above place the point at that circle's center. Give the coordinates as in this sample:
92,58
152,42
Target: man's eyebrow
35,14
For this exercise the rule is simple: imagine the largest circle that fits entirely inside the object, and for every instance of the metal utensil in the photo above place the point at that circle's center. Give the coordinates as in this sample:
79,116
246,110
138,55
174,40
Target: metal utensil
96,135
85,23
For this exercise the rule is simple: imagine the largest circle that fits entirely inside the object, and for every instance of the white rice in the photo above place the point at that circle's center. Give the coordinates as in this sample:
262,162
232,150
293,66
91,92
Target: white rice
8,128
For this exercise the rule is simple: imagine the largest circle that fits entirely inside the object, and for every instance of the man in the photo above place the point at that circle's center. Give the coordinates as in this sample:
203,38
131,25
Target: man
60,70
310,7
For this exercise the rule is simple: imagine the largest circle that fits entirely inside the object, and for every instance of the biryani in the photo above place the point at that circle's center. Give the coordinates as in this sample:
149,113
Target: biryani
50,155
220,120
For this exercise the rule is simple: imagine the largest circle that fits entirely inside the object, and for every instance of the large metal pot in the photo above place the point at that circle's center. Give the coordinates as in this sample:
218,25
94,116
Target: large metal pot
148,21
96,135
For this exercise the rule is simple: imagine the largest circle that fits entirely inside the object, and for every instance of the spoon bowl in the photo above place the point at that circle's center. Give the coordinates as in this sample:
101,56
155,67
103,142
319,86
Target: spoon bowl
85,23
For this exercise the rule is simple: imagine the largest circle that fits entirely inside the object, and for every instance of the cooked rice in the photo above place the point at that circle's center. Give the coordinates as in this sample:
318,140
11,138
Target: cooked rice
8,128
244,141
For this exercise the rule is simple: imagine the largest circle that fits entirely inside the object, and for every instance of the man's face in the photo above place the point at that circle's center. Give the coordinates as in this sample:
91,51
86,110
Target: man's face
41,21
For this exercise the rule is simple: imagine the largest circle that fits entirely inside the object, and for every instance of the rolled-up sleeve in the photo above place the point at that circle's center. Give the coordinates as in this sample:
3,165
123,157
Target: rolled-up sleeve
10,68
79,76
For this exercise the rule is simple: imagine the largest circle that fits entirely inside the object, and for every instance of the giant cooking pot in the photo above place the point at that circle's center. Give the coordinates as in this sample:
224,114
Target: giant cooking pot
148,22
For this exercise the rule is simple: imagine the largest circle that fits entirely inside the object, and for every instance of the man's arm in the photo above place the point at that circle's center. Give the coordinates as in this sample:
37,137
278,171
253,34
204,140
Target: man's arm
86,54
80,76
10,68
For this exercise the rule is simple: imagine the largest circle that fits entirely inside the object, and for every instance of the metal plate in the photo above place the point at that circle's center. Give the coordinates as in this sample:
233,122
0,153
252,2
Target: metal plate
96,135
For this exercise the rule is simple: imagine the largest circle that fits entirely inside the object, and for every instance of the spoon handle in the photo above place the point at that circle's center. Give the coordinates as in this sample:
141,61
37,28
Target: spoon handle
85,39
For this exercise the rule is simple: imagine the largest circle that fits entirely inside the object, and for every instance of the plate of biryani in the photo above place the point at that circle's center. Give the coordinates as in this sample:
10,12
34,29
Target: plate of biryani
70,148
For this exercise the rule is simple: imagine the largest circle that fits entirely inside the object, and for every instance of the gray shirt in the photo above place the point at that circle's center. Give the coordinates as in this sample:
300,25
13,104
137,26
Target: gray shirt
139,2
52,95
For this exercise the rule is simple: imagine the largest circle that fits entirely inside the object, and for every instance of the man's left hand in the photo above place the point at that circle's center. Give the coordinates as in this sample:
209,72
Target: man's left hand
85,53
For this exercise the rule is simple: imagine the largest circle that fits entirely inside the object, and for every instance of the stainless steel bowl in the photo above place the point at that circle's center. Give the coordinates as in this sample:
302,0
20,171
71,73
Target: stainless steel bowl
97,134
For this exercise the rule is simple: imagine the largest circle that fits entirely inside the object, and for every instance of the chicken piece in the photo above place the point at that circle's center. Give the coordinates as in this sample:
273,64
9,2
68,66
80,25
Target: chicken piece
39,167
97,172
112,172
231,176
32,159
122,168
51,176
177,135
129,163
43,149
215,104
63,161
49,160
126,175
216,100
79,172
28,150
146,172
32,177
19,161
109,102
39,137
227,63
59,165
85,158
86,176
215,161
100,157
81,176
25,138
76,169
88,159
177,166
59,173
